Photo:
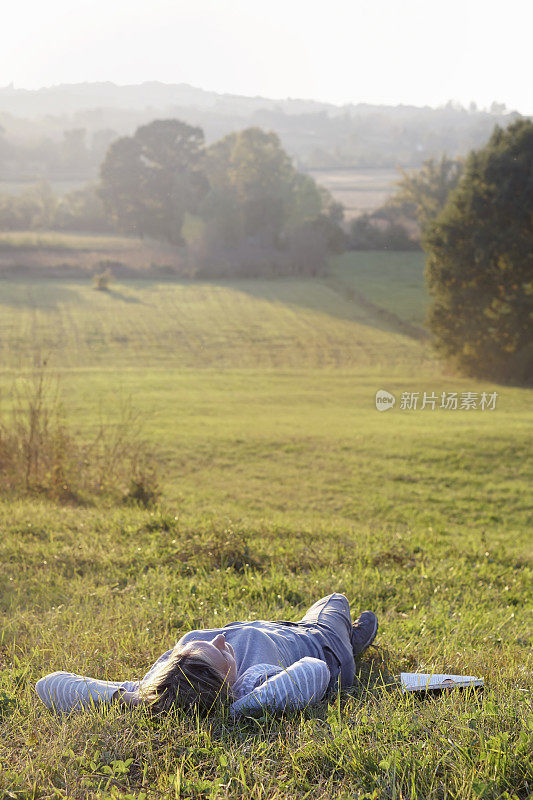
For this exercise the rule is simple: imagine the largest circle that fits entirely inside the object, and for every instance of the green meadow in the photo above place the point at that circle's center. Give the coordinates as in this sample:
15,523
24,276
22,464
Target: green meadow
279,483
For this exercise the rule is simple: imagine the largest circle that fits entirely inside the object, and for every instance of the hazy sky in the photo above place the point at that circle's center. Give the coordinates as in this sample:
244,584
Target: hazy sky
377,51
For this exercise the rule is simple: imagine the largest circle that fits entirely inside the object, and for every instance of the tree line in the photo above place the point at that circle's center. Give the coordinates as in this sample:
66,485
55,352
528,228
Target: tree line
248,210
237,207
242,191
58,134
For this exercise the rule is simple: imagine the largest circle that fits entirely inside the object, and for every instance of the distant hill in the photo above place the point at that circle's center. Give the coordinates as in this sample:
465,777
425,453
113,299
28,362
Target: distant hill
317,135
71,98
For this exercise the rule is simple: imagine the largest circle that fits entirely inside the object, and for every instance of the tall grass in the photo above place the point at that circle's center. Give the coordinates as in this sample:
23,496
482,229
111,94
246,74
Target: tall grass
105,592
41,453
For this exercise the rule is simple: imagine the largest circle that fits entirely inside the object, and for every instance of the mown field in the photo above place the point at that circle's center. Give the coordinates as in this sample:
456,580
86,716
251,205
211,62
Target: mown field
280,482
286,323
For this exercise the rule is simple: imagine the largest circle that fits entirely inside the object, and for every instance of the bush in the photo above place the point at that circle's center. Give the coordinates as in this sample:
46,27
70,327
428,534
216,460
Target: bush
369,232
39,208
306,250
82,211
330,229
40,453
301,251
102,280
143,489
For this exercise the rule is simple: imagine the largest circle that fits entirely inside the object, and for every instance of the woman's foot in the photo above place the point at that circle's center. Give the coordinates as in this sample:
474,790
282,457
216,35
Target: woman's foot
364,632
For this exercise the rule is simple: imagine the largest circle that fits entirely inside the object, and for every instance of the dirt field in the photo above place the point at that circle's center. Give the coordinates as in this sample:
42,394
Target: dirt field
359,190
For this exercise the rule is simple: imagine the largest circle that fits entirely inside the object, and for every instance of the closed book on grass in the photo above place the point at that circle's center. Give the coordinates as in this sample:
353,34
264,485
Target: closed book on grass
431,682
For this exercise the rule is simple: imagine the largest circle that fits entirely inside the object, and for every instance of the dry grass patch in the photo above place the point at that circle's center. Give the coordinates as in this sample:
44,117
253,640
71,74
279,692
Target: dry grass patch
41,454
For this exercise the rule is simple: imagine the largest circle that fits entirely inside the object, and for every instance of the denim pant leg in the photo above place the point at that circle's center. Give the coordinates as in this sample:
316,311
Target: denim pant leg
330,620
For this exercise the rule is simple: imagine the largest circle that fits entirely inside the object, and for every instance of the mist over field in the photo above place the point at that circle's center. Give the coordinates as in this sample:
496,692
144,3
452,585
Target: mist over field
318,135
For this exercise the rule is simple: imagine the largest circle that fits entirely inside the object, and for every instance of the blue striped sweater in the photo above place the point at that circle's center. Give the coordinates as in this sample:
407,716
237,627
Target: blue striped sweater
279,665
260,687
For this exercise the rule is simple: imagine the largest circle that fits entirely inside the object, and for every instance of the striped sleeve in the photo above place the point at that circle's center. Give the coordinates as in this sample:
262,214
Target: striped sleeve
65,691
302,683
252,677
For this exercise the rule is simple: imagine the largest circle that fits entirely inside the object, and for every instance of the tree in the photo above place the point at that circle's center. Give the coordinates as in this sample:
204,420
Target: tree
255,192
33,209
423,194
121,185
261,216
82,210
366,233
149,181
480,261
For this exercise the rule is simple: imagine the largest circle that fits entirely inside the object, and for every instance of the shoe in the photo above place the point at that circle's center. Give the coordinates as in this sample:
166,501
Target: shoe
364,632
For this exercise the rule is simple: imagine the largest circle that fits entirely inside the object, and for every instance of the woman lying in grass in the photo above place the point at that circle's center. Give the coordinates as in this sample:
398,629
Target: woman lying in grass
250,665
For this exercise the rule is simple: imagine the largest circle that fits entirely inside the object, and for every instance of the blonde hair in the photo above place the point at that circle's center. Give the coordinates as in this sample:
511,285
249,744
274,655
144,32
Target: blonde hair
188,679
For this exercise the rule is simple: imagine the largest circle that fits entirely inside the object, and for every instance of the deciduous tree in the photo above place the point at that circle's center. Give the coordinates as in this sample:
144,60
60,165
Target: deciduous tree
150,180
480,261
255,192
422,194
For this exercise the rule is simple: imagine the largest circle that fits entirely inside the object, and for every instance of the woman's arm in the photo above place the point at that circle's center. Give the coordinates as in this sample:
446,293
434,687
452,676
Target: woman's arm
302,683
65,691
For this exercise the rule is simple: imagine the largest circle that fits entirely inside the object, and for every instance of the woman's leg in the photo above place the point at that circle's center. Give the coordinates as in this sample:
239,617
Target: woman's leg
329,619
332,611
341,639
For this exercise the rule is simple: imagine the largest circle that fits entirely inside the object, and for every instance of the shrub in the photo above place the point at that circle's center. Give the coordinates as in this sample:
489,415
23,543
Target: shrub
143,489
306,250
371,232
302,250
40,453
102,280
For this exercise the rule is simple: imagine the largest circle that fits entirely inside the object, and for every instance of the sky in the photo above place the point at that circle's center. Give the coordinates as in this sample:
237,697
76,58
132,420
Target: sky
418,52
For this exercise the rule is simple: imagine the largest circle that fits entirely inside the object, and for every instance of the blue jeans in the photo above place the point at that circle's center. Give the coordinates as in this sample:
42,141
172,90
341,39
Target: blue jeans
330,622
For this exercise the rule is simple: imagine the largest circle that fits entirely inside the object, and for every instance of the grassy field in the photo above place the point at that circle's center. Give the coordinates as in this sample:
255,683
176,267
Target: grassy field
393,281
32,256
59,240
280,483
282,323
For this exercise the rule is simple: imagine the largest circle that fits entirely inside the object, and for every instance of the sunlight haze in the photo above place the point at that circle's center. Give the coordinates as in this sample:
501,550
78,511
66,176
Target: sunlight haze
414,52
